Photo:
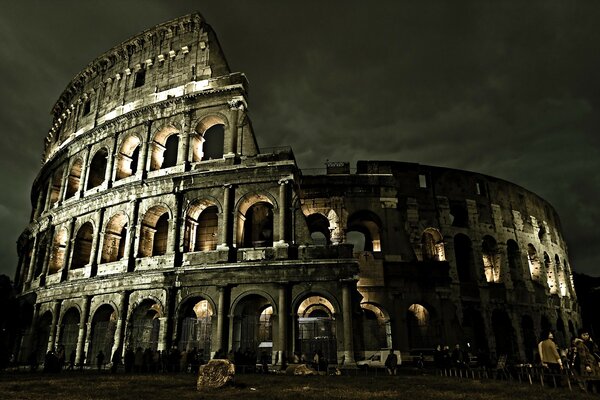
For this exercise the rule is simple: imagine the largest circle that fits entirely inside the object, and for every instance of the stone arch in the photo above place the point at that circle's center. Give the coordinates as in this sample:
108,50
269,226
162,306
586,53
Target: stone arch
59,245
97,168
255,220
463,255
74,178
154,231
195,316
504,333
56,185
252,322
529,339
208,141
319,228
422,326
201,225
128,157
376,327
164,147
103,326
115,234
514,260
535,269
316,325
491,259
144,324
69,330
473,328
369,225
82,247
432,245
42,334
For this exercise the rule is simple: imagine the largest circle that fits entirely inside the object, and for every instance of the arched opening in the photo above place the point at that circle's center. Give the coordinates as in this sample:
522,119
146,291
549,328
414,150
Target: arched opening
572,330
529,339
209,140
144,326
42,335
128,157
164,149
357,240
368,224
253,325
550,274
376,328
59,244
56,186
422,332
545,325
474,330
74,179
459,214
115,234
560,334
42,247
154,232
196,326
318,226
491,259
104,324
514,260
201,227
97,171
213,142
463,253
316,328
25,336
504,333
534,262
432,245
82,248
69,331
258,225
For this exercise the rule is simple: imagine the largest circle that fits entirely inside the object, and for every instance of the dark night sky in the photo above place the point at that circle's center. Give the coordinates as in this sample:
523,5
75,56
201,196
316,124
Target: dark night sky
509,89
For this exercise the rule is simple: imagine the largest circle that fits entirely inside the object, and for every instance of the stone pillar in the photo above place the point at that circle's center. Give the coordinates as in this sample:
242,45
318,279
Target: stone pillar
120,328
31,265
282,322
143,155
132,233
82,338
96,241
282,217
225,235
184,141
162,334
67,261
221,315
53,327
173,238
64,183
32,332
348,331
84,172
47,255
230,140
110,163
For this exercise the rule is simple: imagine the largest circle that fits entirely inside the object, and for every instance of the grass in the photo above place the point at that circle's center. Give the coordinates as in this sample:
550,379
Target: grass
100,386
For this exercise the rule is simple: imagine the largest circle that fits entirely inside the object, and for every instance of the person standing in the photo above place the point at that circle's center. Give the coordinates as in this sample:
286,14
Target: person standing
550,357
391,363
589,364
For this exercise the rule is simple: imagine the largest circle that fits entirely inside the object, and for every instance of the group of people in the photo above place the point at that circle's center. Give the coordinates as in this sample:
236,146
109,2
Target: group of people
582,358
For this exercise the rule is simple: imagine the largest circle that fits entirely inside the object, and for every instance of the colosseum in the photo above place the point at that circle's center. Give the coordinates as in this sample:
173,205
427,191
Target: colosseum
158,222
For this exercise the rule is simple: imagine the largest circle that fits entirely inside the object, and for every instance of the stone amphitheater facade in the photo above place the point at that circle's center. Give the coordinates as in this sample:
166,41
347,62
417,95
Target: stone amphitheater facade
158,222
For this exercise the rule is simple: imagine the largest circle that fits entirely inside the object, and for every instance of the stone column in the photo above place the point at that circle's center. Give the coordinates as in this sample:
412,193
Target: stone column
96,242
47,255
132,233
221,315
348,331
82,339
184,141
32,332
110,163
282,322
67,261
31,265
173,239
282,217
53,327
64,183
224,234
120,328
84,172
143,155
230,140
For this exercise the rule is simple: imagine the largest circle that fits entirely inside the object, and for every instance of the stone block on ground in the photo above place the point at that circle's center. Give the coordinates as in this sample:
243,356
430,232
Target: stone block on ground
215,374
